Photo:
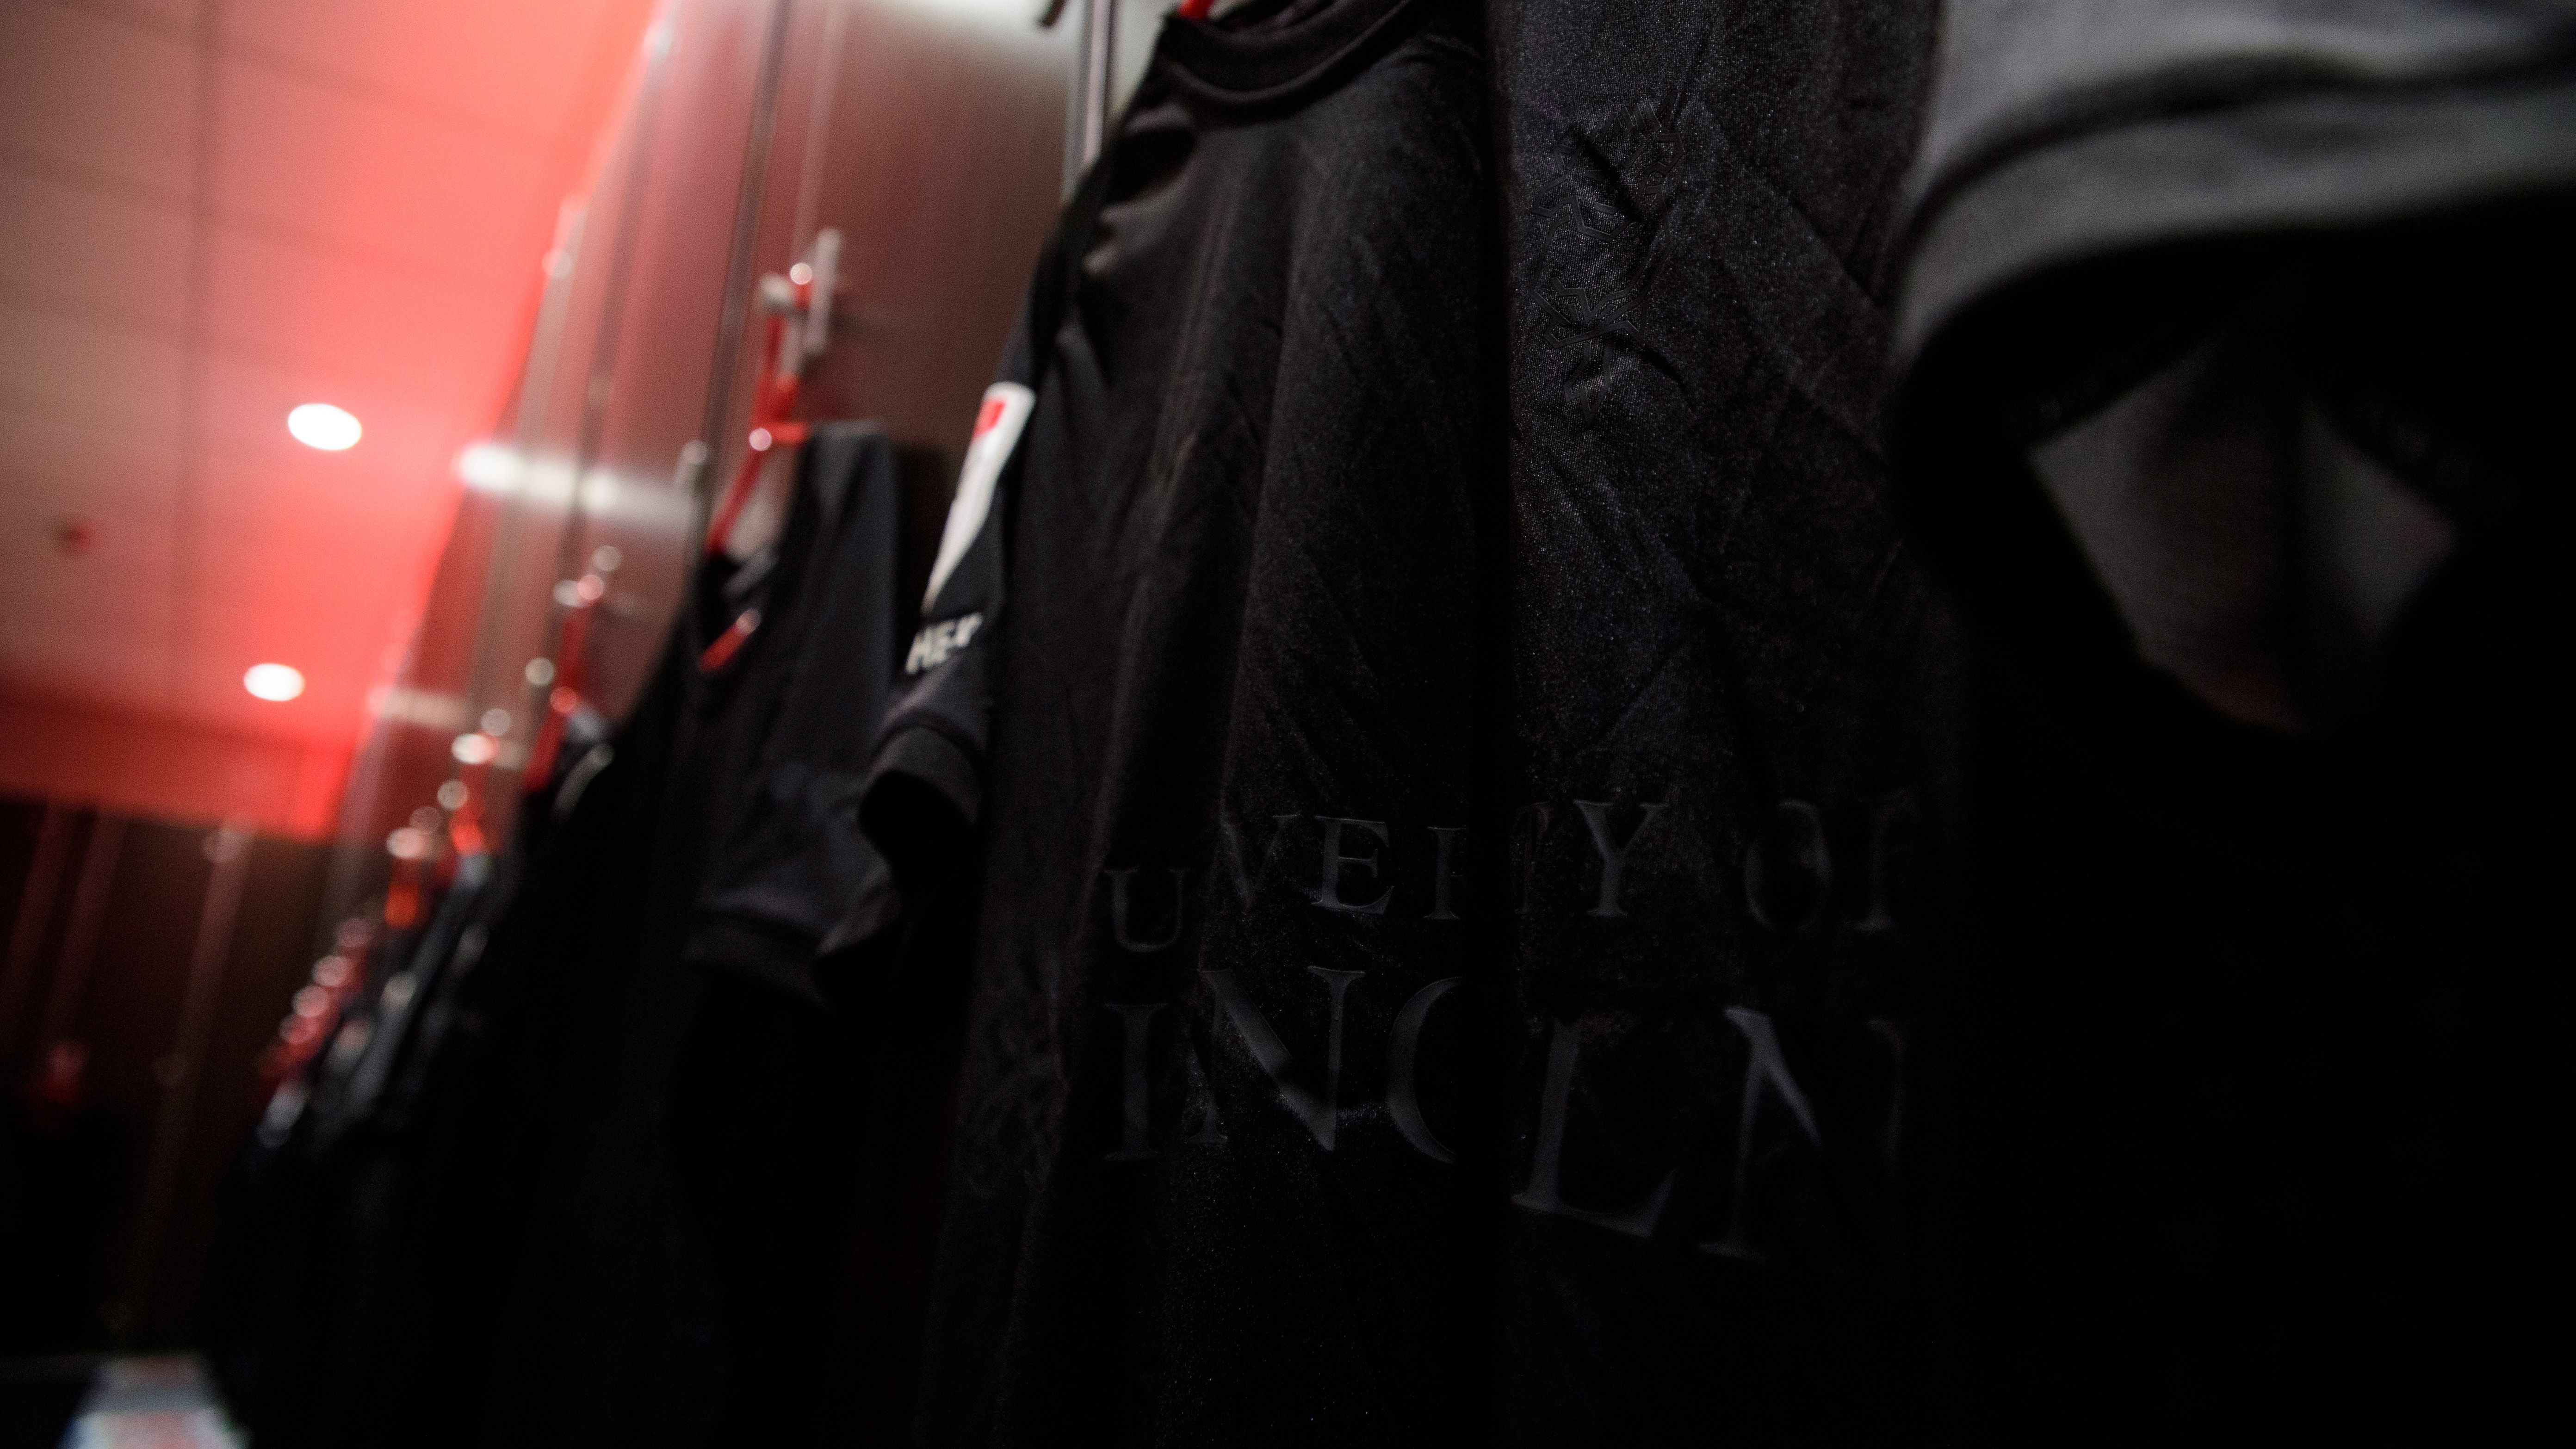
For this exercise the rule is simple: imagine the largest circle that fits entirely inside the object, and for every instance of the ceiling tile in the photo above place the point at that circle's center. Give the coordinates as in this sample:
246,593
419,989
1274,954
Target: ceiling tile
84,373
98,96
54,465
176,16
96,624
327,528
114,255
334,605
387,183
88,622
500,62
75,664
333,317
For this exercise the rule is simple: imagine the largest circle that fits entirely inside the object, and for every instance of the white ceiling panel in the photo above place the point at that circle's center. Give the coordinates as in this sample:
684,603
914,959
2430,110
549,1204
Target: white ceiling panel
96,96
54,464
66,661
500,63
174,16
111,254
106,376
381,181
96,621
336,320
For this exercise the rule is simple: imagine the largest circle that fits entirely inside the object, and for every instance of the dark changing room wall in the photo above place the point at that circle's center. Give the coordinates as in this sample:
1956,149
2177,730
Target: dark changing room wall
143,966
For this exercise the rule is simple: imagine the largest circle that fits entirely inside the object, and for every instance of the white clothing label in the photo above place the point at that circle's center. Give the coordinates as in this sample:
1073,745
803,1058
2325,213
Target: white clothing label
997,430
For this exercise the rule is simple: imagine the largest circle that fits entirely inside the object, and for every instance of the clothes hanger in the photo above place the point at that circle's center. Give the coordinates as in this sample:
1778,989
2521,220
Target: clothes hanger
799,306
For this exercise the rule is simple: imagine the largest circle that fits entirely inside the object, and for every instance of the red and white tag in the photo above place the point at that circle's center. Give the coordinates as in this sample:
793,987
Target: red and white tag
997,431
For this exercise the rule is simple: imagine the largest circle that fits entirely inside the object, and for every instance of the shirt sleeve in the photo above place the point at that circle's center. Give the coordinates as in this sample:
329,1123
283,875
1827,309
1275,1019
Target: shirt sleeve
924,792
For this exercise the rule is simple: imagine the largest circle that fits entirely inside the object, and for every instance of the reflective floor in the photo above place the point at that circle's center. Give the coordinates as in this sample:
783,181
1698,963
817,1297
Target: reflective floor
159,1402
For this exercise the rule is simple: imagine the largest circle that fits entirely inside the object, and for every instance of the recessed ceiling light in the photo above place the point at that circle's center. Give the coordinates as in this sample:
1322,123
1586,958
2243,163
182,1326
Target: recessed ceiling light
273,681
320,425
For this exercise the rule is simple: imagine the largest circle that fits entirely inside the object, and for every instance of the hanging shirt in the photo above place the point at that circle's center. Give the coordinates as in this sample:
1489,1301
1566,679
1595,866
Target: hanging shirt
1201,677
372,1233
610,1332
2232,380
1731,686
795,856
771,1123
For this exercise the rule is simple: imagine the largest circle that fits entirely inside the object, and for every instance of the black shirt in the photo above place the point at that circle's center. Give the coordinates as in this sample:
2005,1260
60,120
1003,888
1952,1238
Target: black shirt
795,855
2216,312
1731,697
613,1329
771,1126
1205,683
